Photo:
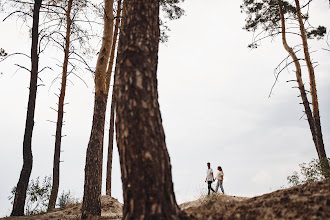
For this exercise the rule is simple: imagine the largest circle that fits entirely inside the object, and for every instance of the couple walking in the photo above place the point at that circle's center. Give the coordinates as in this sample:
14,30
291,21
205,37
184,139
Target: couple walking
209,179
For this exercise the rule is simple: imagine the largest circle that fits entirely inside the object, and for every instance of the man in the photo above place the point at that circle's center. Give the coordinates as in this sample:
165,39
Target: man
209,178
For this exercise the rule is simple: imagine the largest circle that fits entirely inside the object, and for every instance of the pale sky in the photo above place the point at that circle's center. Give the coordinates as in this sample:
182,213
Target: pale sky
213,94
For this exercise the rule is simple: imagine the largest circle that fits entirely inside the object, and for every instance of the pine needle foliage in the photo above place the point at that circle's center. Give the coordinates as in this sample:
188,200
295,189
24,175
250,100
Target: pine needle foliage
263,19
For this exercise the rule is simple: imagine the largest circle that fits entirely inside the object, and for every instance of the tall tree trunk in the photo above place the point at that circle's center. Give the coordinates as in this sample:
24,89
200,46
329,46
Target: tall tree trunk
319,138
299,79
58,136
20,195
110,146
91,206
113,46
145,163
93,170
112,111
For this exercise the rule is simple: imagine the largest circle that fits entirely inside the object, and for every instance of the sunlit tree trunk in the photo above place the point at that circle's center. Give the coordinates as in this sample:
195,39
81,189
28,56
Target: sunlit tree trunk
298,76
145,163
91,206
113,102
58,136
20,195
319,137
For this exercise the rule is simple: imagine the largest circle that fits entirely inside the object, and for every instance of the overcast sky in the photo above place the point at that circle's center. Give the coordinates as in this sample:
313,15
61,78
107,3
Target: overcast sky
213,94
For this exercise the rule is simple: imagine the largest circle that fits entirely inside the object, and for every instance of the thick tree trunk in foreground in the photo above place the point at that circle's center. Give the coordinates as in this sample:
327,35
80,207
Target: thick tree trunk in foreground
145,163
91,206
319,137
113,102
58,136
20,195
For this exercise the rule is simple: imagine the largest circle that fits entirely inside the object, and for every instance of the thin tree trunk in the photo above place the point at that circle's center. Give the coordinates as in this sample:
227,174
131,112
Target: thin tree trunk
299,79
58,136
113,46
110,146
20,195
319,138
145,163
91,206
112,111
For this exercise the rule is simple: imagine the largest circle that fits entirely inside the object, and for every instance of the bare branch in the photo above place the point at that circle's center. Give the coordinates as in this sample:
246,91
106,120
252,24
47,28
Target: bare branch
277,72
82,60
23,67
272,35
12,54
47,67
302,116
78,76
53,109
307,4
15,12
90,22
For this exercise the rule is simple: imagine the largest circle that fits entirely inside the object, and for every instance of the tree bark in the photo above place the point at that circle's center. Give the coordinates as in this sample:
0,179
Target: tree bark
110,146
299,79
91,206
20,195
114,42
112,111
145,163
58,136
319,138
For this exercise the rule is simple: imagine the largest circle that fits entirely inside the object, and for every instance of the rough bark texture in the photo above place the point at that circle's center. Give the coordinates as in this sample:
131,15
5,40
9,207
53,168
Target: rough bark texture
93,170
91,207
319,137
112,111
299,79
145,163
58,136
20,195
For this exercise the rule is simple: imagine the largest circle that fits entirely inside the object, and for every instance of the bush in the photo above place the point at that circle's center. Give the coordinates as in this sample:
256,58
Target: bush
312,172
37,196
66,199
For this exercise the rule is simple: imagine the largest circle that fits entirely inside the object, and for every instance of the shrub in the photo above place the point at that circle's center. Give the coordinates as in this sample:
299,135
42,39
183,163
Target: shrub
66,199
311,172
37,196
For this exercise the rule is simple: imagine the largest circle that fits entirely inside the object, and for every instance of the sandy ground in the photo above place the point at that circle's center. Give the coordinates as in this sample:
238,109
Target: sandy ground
309,201
111,209
206,199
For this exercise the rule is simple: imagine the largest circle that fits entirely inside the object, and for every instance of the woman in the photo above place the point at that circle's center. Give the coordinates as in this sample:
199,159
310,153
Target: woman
219,177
